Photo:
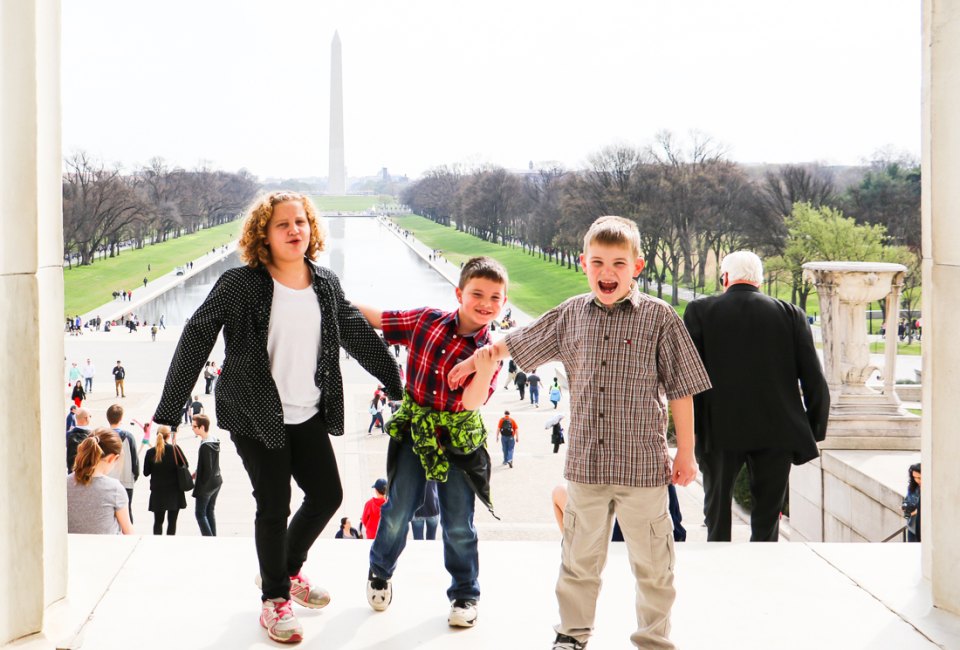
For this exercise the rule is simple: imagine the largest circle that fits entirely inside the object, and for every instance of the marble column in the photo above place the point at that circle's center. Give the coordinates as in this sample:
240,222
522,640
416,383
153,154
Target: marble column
940,214
33,545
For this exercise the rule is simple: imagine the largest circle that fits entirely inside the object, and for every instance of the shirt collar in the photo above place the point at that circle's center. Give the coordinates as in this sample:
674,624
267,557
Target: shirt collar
452,318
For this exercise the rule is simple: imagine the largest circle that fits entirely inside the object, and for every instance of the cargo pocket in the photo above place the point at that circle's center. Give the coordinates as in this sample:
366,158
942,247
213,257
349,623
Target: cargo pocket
661,542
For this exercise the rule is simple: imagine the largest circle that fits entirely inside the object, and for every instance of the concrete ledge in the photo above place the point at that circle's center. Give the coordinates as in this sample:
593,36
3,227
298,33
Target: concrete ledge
198,593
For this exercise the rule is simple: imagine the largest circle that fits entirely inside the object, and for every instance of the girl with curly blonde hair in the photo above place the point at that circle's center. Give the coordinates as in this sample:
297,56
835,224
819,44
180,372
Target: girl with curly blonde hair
254,246
280,393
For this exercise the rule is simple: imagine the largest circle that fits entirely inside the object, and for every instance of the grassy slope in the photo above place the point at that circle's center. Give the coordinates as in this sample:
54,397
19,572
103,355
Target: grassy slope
87,287
536,285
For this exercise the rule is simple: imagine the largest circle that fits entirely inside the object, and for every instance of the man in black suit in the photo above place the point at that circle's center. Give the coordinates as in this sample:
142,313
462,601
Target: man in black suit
756,349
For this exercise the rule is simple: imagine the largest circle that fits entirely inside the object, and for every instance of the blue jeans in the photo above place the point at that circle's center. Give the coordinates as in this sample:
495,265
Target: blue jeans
507,443
204,512
457,500
417,526
534,394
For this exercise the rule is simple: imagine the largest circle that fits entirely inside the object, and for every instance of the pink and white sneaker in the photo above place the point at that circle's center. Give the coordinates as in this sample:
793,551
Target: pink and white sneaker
278,619
303,594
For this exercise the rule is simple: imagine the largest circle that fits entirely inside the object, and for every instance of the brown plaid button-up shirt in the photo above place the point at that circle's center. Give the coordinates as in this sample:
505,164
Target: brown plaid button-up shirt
622,364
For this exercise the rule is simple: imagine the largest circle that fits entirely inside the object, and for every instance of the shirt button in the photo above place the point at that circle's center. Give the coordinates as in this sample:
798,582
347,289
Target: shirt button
601,389
603,363
601,441
436,372
606,338
434,392
454,336
601,416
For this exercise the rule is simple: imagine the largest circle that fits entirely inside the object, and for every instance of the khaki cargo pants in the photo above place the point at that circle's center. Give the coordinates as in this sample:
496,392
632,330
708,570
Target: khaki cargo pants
648,533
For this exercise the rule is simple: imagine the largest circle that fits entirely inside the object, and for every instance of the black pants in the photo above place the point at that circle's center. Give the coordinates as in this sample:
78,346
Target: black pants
171,521
521,390
769,475
209,386
309,459
130,503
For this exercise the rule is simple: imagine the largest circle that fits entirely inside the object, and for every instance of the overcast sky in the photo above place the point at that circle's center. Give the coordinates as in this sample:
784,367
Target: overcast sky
244,83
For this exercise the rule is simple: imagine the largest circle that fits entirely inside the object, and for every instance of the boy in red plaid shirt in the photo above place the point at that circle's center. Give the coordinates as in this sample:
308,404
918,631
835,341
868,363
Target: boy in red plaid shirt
438,434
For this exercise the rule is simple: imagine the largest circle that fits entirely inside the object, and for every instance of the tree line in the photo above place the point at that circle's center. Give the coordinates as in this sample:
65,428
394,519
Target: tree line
105,209
692,205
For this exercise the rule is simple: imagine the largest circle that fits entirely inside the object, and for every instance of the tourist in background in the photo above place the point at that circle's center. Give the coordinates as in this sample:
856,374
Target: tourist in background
166,497
119,374
88,371
376,413
127,470
370,520
207,479
78,394
71,418
555,393
96,503
911,504
748,339
347,531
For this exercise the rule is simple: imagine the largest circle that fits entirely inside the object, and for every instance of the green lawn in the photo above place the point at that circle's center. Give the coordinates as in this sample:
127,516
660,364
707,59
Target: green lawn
350,203
87,287
536,285
912,349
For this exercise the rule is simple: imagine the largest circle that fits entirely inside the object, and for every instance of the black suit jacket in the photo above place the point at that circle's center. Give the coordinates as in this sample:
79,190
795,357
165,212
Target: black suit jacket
247,400
756,349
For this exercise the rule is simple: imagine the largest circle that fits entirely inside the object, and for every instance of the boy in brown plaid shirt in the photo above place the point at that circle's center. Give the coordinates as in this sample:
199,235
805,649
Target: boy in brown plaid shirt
625,354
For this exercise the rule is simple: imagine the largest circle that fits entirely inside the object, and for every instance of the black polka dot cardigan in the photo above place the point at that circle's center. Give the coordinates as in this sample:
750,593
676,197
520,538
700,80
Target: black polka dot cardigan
247,400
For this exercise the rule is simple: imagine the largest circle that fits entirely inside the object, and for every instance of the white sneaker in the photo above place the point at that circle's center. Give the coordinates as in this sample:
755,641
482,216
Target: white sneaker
278,619
463,613
379,592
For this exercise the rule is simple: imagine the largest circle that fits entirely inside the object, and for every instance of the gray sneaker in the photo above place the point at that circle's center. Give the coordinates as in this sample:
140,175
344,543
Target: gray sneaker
379,592
463,613
564,642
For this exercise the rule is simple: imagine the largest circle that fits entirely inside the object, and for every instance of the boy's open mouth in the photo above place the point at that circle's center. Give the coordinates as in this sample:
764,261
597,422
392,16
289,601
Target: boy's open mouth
607,287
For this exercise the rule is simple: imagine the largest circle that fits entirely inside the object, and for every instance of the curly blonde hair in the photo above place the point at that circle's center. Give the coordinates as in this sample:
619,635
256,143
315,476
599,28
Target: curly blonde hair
253,240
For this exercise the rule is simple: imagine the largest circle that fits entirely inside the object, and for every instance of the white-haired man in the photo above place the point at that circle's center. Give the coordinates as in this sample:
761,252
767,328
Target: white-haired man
756,349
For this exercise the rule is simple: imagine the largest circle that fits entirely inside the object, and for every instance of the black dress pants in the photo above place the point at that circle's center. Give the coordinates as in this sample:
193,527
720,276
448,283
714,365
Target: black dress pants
769,476
308,458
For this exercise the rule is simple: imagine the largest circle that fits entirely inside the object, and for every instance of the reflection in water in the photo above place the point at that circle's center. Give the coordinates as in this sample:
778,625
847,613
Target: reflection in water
374,266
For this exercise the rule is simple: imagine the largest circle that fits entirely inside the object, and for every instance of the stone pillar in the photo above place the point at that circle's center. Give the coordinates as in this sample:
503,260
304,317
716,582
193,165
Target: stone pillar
32,493
860,417
941,299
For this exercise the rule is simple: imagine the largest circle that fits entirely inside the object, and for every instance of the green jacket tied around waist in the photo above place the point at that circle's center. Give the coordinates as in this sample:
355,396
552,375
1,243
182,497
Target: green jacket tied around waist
441,439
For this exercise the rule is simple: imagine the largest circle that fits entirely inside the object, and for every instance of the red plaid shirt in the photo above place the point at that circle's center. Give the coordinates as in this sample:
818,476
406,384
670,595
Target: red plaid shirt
433,348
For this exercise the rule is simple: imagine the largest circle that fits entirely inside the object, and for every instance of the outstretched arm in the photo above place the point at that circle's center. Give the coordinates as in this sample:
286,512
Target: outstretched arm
374,316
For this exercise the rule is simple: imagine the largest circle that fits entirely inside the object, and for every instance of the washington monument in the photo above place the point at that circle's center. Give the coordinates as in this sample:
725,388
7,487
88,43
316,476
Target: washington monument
337,176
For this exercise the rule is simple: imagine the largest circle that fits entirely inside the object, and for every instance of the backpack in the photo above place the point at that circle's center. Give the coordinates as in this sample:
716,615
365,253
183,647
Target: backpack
506,428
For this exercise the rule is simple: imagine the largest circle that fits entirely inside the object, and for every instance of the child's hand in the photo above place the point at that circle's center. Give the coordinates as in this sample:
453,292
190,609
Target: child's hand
684,469
457,377
484,360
